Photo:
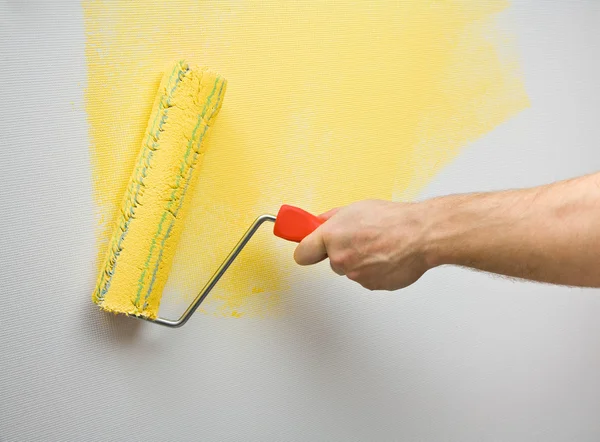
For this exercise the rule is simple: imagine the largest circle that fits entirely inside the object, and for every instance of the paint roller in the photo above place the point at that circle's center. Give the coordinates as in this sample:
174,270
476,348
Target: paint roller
149,223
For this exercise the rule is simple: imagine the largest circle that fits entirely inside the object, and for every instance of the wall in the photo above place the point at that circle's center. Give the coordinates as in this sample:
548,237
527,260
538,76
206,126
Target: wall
458,356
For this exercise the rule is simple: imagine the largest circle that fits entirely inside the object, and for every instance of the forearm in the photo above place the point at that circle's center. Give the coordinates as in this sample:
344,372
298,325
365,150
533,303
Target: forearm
549,233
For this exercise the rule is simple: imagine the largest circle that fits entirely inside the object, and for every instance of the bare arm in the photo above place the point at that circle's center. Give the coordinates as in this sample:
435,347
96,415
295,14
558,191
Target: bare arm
548,233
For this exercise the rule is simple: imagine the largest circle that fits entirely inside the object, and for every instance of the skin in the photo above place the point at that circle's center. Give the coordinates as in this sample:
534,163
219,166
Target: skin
548,233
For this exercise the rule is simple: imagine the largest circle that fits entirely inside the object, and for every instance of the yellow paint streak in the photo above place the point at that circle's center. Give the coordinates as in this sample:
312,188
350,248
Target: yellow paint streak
327,103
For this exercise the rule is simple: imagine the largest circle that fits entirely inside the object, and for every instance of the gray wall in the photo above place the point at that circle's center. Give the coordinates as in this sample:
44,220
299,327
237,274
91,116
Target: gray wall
459,356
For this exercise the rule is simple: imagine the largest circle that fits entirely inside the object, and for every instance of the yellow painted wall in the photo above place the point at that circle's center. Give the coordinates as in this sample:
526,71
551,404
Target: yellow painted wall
327,103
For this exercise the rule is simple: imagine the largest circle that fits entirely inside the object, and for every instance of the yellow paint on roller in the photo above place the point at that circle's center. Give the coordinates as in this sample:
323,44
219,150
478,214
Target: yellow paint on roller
150,220
328,102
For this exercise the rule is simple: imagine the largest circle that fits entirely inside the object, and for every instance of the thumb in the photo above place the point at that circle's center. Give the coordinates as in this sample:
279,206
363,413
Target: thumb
311,249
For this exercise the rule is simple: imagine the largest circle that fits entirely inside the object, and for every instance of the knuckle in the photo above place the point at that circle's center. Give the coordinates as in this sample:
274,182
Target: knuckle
353,276
339,259
336,269
334,232
329,233
371,285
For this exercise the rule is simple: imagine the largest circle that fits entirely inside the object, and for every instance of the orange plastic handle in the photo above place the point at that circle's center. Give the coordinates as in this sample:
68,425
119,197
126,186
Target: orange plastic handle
295,224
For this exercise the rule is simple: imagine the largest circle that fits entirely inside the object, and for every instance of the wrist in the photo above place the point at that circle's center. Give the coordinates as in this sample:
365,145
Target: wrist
421,228
446,222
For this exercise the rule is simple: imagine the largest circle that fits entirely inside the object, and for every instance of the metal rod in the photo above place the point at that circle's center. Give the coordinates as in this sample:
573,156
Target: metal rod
215,278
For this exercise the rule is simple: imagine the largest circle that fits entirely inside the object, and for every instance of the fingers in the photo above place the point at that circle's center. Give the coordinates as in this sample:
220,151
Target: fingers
329,213
311,249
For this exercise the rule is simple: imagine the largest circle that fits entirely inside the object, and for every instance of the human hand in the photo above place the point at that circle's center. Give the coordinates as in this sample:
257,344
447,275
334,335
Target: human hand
379,244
